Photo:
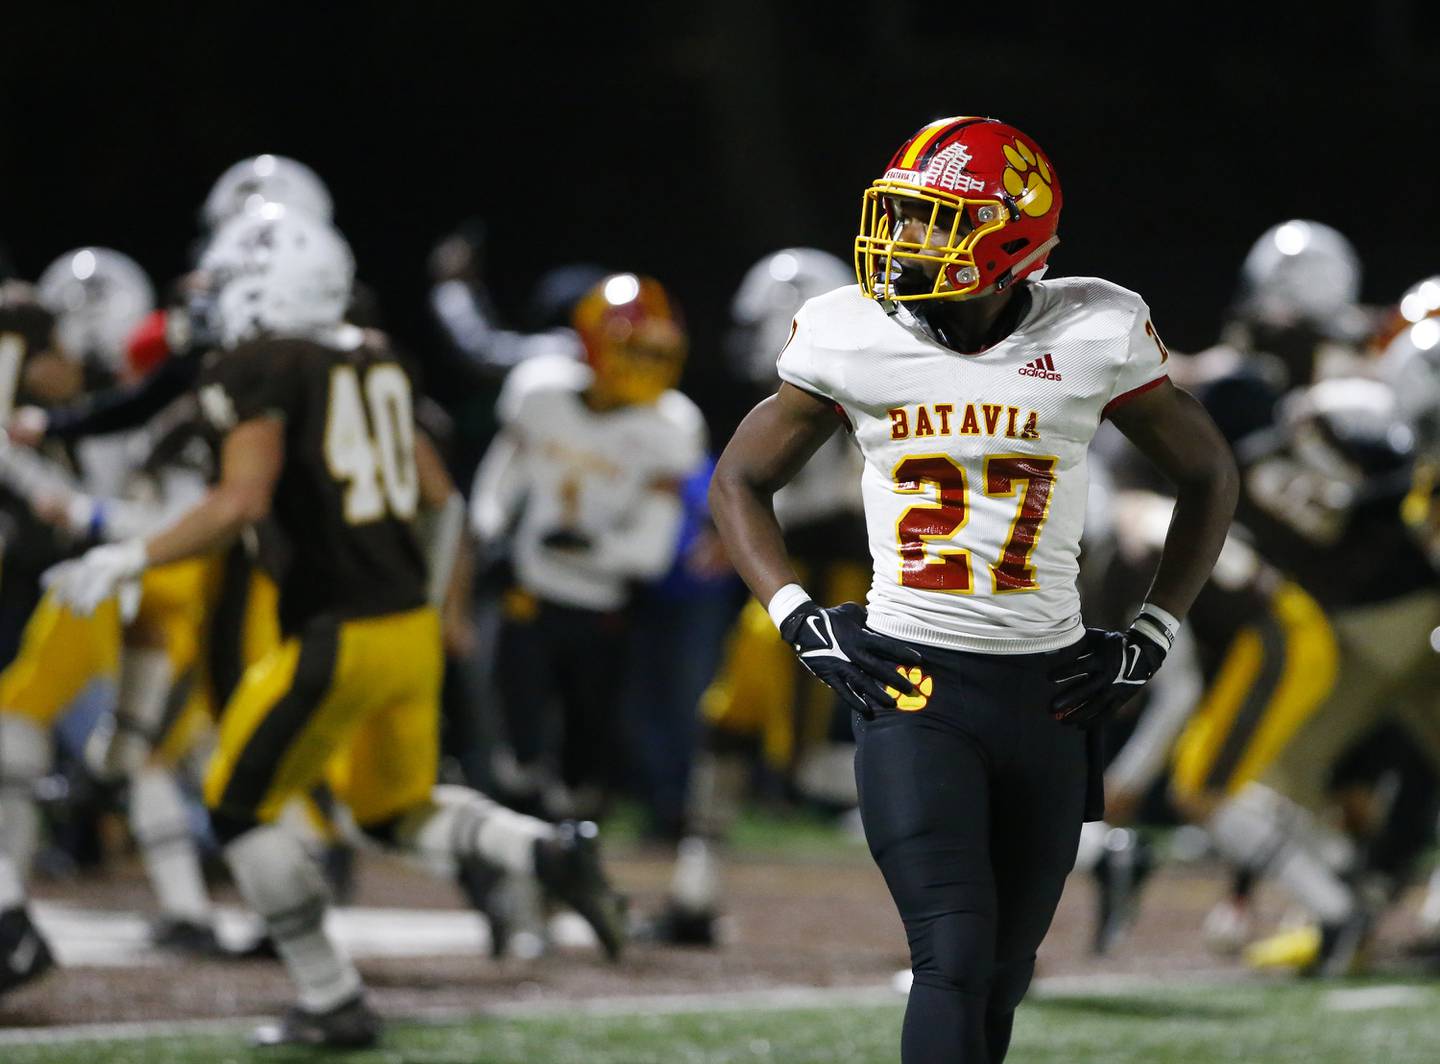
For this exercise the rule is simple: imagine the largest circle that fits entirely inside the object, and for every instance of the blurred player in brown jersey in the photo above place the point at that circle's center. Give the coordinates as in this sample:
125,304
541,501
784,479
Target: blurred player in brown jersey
1410,363
27,546
1296,318
97,297
65,334
1322,497
319,432
1255,658
200,621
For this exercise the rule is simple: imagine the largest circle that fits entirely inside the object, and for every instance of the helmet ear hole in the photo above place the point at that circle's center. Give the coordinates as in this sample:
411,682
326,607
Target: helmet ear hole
1012,246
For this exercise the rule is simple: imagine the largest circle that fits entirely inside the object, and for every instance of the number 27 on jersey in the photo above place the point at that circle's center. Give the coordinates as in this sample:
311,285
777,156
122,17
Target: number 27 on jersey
1028,478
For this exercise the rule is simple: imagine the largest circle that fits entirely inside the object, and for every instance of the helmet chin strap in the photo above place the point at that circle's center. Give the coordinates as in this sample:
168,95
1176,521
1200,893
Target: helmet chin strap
1007,278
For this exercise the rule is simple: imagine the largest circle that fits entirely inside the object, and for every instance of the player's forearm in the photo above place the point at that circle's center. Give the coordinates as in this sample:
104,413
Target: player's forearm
125,407
1173,430
744,515
250,462
771,445
212,523
1204,506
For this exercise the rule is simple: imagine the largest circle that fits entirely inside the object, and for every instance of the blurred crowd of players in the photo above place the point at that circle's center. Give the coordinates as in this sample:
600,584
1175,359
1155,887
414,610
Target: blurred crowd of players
604,650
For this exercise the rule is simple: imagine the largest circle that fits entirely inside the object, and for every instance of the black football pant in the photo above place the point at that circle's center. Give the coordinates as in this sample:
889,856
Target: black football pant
972,806
560,675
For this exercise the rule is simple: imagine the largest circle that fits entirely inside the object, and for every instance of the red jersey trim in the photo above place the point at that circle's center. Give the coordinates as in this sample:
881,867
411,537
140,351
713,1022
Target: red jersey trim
1125,397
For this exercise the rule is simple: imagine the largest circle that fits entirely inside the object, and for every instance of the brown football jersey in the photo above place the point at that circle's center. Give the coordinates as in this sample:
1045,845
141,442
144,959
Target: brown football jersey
348,492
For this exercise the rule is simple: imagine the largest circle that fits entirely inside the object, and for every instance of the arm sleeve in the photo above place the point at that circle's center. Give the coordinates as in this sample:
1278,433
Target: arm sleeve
498,488
1145,365
31,475
439,532
465,316
513,398
122,408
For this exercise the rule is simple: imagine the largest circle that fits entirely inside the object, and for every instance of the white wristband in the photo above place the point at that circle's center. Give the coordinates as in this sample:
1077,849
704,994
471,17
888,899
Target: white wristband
1160,625
783,602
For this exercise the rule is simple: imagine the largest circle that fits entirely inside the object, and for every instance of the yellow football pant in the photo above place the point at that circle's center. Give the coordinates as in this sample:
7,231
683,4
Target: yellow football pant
260,633
1273,677
62,652
366,691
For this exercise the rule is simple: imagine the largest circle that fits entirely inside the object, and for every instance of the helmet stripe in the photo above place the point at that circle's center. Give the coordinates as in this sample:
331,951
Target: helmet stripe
928,136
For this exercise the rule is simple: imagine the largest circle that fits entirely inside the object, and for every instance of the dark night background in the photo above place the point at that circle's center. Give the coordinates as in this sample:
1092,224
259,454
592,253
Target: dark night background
685,140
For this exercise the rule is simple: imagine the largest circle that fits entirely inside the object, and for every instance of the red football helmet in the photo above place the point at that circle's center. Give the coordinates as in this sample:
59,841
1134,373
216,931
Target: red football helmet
992,201
634,338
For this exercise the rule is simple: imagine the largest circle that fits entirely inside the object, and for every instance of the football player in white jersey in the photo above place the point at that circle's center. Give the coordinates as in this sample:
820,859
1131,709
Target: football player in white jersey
973,389
587,468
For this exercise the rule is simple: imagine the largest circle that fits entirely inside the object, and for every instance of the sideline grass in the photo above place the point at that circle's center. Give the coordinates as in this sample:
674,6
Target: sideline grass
1250,1023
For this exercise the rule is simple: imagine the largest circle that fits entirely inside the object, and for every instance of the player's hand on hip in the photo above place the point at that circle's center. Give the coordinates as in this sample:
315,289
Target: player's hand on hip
837,648
1111,669
83,583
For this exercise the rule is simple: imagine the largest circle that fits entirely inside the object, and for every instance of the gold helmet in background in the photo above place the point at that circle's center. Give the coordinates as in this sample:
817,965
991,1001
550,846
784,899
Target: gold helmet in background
634,338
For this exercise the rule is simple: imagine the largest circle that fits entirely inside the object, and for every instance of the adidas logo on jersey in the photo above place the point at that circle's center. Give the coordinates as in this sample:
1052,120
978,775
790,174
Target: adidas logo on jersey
1043,367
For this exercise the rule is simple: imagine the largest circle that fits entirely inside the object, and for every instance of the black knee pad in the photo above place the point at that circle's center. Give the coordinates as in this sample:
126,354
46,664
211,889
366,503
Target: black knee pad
229,827
1009,984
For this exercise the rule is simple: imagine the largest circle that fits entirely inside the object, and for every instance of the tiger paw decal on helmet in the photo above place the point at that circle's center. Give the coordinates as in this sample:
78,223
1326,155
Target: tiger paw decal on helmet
916,699
1028,179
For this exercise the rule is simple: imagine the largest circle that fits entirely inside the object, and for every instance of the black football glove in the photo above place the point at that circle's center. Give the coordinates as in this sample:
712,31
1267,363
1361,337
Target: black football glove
1111,670
837,649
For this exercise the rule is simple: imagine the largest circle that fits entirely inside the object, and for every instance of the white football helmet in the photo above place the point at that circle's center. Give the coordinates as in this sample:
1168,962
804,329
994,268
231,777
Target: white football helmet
98,297
1300,272
1410,364
1421,300
770,294
273,270
266,179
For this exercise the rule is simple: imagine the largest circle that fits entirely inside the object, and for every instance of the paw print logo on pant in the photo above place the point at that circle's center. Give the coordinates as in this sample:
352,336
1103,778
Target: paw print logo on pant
924,688
1027,178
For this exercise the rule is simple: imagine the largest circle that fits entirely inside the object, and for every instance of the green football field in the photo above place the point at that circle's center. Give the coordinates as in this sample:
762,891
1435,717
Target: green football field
1254,1023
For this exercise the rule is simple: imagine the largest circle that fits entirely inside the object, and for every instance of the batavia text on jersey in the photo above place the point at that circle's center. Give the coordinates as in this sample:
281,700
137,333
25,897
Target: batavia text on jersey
967,419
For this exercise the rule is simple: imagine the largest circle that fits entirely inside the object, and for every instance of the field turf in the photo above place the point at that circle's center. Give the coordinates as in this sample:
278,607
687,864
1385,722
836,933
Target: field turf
1174,1023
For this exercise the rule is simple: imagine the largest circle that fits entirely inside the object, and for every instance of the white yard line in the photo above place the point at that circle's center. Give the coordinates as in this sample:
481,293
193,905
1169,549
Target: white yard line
1370,998
103,938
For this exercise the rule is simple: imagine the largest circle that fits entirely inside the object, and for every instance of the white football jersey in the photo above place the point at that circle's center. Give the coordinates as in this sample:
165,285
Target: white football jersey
975,479
586,472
